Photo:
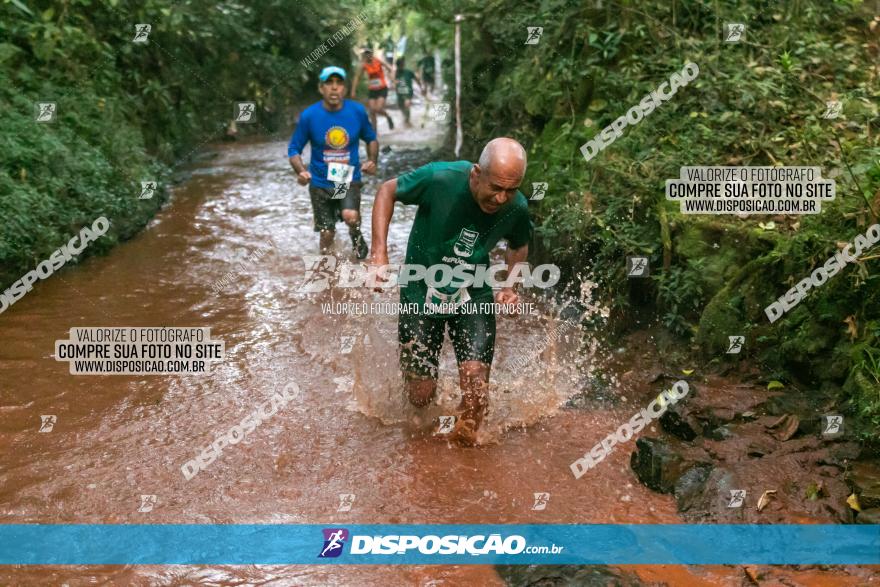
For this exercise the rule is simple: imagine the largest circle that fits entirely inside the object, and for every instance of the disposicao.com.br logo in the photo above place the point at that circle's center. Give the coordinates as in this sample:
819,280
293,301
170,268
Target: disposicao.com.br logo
476,545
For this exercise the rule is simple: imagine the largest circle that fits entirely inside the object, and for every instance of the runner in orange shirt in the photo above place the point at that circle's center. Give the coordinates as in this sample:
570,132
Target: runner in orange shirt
376,84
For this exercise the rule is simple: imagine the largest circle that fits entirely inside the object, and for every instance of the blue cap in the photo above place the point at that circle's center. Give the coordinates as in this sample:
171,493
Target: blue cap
331,70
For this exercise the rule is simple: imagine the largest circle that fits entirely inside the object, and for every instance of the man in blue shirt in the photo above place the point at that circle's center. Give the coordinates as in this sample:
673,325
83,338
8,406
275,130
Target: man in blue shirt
334,127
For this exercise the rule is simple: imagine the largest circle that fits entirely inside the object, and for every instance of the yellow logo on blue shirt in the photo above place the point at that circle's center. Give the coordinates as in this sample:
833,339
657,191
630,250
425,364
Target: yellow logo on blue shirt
336,137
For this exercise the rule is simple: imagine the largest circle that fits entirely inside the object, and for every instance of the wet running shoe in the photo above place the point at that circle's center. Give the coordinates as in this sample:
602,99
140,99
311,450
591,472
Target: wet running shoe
360,245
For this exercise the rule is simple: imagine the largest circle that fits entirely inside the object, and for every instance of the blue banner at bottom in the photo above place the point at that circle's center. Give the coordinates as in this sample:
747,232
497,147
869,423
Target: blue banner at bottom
235,544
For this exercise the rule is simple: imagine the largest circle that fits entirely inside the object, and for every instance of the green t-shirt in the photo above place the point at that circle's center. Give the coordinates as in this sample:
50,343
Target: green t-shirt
450,229
405,79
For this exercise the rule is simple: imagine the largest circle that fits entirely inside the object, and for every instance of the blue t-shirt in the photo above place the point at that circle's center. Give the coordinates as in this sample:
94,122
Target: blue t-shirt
334,137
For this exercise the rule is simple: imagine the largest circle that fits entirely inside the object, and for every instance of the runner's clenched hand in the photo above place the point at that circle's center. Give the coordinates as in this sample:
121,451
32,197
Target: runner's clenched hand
506,296
303,177
378,260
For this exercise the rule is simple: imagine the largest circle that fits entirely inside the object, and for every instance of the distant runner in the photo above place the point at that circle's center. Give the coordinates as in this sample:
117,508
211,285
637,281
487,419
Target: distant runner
404,88
376,84
464,210
333,127
426,72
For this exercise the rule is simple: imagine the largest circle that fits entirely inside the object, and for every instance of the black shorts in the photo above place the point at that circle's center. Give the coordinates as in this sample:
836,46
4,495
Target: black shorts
421,339
373,94
328,211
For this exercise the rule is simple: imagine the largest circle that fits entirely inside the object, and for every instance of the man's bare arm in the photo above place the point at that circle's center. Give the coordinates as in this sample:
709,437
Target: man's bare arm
383,208
512,256
372,158
297,163
354,83
303,176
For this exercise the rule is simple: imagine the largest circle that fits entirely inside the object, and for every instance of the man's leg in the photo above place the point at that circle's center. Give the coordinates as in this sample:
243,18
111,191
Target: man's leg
473,377
420,339
380,109
404,107
473,338
419,390
325,241
371,108
324,212
351,215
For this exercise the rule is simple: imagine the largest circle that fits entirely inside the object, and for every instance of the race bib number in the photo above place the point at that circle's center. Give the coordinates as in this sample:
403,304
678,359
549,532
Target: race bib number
375,84
340,172
402,88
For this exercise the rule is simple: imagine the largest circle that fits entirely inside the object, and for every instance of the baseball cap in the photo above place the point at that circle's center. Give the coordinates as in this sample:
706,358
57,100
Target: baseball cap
331,70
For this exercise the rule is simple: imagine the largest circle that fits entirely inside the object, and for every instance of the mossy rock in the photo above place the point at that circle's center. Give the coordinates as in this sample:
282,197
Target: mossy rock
737,309
737,245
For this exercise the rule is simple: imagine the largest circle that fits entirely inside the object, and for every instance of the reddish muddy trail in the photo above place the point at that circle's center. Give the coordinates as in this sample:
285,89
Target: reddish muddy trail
119,437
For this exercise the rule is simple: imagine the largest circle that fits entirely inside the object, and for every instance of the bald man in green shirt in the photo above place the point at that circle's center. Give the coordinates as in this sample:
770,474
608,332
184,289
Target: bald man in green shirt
464,210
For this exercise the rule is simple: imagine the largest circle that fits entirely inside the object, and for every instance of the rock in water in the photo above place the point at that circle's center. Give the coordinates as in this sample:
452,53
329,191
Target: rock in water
871,516
679,422
657,465
864,478
690,486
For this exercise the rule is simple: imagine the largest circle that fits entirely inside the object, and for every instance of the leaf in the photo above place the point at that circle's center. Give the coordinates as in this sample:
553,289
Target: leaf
7,50
785,427
22,7
48,14
765,498
687,371
597,105
775,385
853,502
815,490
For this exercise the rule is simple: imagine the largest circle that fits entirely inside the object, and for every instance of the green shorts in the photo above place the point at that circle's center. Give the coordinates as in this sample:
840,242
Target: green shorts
421,339
328,211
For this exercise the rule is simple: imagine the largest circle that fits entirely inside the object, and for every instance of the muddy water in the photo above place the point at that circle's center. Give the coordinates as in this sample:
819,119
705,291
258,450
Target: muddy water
118,437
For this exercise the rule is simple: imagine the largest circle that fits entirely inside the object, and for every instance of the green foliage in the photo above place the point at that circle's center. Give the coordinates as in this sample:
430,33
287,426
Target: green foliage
757,102
680,292
128,112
